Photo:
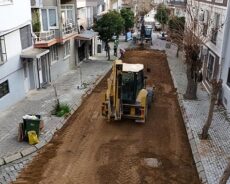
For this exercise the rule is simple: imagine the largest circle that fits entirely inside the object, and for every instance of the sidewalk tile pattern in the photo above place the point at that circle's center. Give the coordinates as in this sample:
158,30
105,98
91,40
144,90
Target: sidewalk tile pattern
211,156
42,102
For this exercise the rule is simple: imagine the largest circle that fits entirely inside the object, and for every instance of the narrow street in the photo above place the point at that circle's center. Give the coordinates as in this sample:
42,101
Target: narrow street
88,149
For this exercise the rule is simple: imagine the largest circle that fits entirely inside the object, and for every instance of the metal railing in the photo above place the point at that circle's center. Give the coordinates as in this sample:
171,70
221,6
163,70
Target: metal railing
69,28
44,36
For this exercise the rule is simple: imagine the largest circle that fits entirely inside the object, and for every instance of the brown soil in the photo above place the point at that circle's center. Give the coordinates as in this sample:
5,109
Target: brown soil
90,150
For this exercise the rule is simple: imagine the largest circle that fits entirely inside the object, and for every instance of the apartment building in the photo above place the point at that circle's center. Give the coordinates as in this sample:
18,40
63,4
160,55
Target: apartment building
15,38
88,10
177,7
225,66
209,18
54,24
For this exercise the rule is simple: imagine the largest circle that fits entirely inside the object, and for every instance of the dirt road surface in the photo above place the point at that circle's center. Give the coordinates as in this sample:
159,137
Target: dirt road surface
90,150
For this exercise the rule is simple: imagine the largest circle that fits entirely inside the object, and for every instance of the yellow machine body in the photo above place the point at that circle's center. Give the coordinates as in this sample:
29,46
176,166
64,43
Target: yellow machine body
126,96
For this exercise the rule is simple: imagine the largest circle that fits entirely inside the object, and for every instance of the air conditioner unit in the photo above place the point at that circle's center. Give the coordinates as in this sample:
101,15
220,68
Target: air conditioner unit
36,3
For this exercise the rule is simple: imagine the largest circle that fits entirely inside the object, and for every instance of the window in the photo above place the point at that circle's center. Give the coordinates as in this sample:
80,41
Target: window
103,7
26,37
205,29
5,2
215,28
4,88
81,13
49,18
3,56
210,66
228,79
53,53
140,81
67,13
67,48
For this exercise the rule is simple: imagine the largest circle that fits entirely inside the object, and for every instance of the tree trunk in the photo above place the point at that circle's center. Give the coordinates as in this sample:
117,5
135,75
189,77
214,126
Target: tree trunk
207,125
224,178
215,90
177,52
191,85
107,50
108,54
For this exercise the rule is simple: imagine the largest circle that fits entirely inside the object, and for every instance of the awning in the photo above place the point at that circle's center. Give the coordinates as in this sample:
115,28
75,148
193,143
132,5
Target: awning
34,53
86,35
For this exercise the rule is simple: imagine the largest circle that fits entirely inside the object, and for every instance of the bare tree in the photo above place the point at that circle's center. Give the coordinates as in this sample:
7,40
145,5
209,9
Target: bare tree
195,34
216,85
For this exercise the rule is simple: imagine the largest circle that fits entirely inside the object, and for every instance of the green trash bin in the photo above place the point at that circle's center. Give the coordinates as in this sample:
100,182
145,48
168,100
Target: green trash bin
31,124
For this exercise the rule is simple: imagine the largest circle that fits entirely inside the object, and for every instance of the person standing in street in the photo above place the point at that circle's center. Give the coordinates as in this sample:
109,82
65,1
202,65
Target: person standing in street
116,42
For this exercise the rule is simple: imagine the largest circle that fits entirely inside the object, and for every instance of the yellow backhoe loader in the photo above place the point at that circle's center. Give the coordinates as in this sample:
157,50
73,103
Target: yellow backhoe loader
127,95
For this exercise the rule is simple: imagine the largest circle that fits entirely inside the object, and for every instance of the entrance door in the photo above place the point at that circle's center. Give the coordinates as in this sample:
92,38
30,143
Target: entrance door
43,71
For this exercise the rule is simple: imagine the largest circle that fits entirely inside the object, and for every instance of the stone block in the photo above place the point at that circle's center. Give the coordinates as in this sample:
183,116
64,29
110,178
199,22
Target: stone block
16,166
59,126
196,157
202,177
53,131
28,151
40,144
199,167
1,162
12,158
48,137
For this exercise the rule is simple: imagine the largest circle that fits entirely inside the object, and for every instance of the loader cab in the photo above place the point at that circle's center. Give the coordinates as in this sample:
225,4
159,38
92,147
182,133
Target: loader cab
132,82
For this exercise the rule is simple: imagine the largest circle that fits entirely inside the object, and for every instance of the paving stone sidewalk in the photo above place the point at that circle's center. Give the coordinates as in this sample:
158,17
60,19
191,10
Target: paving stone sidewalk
211,156
42,102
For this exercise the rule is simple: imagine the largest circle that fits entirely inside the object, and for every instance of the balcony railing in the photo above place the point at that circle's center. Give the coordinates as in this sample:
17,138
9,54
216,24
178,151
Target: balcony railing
69,28
44,36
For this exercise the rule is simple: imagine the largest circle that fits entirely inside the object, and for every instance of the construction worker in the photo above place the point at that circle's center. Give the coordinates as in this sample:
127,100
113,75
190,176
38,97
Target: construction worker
115,46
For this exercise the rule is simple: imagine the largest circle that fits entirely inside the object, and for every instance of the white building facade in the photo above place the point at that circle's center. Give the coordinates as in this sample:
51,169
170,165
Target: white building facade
208,20
225,67
15,36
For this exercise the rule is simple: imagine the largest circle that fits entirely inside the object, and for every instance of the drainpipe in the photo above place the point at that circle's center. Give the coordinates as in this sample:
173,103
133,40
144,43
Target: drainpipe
78,31
76,17
59,19
225,40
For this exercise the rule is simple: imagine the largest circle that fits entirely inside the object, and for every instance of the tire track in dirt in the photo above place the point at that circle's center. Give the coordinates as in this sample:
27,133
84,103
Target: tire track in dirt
91,150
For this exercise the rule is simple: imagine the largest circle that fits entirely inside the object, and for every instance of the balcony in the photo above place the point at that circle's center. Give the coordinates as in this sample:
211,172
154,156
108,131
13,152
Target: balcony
68,31
44,39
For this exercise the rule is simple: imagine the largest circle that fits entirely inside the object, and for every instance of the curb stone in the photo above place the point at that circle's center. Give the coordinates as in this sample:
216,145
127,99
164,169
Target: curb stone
40,144
49,136
1,162
12,158
195,153
28,151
